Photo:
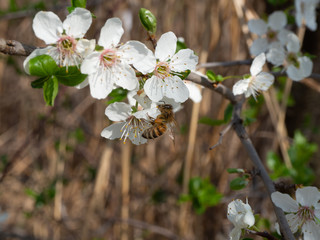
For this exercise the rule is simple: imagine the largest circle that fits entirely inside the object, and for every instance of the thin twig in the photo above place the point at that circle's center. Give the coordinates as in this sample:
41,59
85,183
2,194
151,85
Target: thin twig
262,234
222,133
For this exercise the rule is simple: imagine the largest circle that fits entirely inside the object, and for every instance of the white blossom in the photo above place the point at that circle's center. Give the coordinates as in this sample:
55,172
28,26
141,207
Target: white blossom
68,48
268,32
306,13
110,67
166,67
241,215
258,81
302,213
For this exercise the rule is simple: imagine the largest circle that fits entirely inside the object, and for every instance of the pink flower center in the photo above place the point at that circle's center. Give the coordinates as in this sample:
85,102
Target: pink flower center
108,57
162,70
66,45
306,213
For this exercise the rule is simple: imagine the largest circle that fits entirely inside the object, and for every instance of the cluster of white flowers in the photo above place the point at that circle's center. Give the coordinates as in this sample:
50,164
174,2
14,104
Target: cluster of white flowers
112,64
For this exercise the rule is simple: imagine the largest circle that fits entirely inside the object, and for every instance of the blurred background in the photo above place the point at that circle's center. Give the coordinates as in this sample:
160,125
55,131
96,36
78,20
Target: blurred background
60,180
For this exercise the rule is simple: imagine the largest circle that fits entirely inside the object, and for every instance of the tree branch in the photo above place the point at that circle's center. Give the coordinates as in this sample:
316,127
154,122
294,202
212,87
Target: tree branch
12,47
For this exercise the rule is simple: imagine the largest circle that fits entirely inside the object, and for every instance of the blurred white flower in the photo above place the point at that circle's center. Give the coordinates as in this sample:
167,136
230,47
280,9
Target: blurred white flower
194,91
241,215
258,81
111,66
128,124
163,65
306,13
297,66
69,46
304,212
269,32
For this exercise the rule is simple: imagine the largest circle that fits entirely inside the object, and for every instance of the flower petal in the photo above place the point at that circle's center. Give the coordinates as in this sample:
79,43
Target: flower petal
118,111
125,76
258,46
241,86
311,231
166,46
293,221
285,202
277,20
101,83
194,91
263,81
47,26
293,43
132,52
258,26
111,33
257,64
183,60
308,196
304,70
276,54
113,131
235,234
147,64
85,47
91,63
310,14
77,23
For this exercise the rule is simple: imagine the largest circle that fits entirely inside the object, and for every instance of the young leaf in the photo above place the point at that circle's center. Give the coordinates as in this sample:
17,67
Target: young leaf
238,183
50,90
235,170
42,66
148,20
70,78
79,3
38,83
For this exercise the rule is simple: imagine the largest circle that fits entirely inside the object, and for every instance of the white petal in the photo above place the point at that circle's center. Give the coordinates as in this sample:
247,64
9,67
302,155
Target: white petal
125,76
258,46
111,33
258,26
304,70
285,202
235,234
241,86
283,36
263,81
147,64
176,89
293,44
183,60
113,131
276,54
47,26
311,231
132,52
293,221
257,64
85,47
299,15
166,46
154,87
91,63
136,138
310,14
118,111
194,91
277,20
77,23
101,83
308,196
35,53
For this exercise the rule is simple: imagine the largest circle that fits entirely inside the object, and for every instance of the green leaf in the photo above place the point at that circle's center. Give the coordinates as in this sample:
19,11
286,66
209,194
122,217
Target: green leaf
235,170
42,66
70,78
50,90
211,75
79,3
210,121
180,45
38,83
117,95
148,20
228,113
238,183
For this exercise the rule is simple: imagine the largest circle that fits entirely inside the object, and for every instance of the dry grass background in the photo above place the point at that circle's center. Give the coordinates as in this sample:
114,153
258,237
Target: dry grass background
98,183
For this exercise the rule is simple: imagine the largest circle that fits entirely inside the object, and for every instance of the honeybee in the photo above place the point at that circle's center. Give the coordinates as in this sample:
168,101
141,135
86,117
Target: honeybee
163,122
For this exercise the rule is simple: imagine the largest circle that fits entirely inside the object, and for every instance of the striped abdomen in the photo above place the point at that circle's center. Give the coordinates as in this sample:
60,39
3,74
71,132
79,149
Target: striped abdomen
155,131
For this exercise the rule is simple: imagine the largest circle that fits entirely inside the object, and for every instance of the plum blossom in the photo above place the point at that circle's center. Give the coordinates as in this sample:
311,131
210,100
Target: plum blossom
268,32
110,67
297,66
258,81
306,13
241,215
302,213
166,66
67,46
128,124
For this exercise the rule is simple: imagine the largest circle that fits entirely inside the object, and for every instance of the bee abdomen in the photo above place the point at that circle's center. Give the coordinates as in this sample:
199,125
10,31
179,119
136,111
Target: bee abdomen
155,131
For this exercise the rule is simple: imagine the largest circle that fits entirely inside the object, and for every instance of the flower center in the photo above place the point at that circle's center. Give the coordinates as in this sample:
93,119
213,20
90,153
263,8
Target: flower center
306,213
108,57
133,126
162,70
293,59
66,45
272,35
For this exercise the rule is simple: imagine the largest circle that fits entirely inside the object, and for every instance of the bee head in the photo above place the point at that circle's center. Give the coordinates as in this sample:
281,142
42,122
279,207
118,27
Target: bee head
165,107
